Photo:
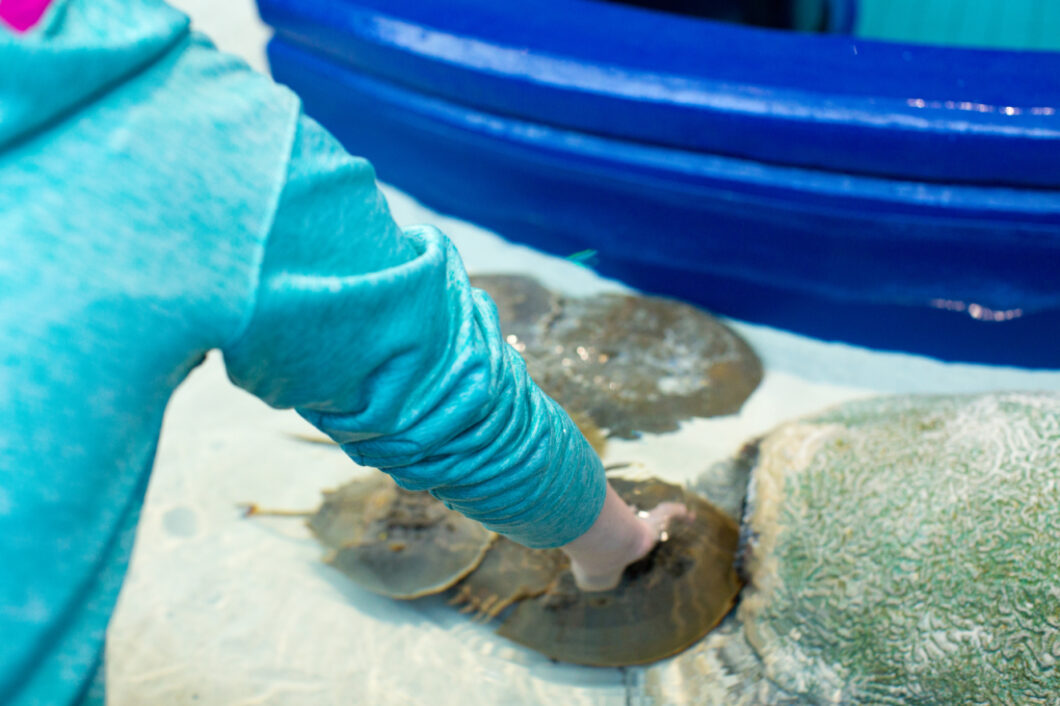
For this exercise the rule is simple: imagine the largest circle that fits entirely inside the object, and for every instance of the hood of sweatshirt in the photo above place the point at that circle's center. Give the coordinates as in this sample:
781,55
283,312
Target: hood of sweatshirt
77,51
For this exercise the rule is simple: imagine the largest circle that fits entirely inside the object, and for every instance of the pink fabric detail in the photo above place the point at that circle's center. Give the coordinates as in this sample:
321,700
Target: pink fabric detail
22,14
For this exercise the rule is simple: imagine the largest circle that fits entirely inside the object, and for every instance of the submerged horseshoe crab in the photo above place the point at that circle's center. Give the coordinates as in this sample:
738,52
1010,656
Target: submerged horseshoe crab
524,307
631,363
664,603
392,541
898,551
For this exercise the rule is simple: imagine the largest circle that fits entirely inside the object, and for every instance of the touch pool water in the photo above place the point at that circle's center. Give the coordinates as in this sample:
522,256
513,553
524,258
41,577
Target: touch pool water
220,610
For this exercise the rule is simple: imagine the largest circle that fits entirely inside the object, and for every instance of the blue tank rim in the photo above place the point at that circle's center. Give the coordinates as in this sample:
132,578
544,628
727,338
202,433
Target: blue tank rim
875,262
820,101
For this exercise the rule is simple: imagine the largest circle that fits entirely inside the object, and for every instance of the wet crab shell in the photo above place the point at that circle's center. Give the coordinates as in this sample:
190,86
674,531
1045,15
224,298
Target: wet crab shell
395,542
631,363
664,603
643,364
524,307
508,574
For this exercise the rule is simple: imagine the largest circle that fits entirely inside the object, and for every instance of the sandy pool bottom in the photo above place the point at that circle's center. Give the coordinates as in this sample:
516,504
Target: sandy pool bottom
220,609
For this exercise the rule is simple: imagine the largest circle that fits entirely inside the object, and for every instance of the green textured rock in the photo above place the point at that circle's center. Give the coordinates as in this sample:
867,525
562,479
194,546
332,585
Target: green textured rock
899,551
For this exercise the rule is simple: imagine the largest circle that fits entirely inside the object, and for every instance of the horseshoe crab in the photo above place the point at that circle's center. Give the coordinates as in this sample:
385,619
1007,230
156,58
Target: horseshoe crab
392,541
524,307
897,551
407,545
665,602
508,574
631,363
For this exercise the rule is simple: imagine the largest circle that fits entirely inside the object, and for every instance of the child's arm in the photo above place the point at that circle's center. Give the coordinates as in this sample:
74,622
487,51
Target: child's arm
376,337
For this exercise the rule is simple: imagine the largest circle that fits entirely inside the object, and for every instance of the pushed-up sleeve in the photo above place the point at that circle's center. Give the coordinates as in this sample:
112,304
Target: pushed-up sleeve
374,335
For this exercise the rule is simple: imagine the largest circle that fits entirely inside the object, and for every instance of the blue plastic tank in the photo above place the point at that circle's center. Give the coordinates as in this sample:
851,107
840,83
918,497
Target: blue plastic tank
898,196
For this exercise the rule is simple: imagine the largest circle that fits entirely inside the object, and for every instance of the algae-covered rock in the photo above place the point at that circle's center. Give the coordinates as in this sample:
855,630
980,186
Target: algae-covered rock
908,549
898,551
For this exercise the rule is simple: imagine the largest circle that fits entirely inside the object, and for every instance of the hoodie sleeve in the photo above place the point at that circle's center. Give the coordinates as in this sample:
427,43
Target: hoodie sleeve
375,336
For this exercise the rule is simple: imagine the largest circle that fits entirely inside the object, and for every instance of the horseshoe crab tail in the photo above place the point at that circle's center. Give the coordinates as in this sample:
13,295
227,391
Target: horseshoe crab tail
252,510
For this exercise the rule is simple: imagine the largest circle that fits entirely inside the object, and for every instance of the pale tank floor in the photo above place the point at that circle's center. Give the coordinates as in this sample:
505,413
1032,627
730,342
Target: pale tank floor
218,610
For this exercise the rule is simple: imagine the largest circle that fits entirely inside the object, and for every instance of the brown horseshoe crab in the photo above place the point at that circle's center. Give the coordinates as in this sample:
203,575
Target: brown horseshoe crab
665,603
525,308
631,363
392,541
407,545
508,574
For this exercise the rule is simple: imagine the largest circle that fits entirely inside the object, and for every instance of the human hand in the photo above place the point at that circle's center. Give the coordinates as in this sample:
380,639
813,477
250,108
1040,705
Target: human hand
619,537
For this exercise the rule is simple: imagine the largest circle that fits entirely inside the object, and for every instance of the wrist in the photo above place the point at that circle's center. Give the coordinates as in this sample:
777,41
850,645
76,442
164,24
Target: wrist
616,539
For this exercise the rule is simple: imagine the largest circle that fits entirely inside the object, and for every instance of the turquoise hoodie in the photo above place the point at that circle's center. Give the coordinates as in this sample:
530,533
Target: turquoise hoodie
159,200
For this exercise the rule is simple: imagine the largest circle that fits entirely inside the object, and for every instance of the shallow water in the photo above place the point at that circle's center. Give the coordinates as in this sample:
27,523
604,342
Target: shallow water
218,609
